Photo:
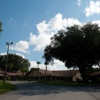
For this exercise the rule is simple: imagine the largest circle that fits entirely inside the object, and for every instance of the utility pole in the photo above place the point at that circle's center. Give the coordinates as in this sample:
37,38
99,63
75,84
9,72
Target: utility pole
5,71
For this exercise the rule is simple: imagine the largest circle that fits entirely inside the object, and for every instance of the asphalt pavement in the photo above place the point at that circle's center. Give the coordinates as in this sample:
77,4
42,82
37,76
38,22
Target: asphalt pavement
35,91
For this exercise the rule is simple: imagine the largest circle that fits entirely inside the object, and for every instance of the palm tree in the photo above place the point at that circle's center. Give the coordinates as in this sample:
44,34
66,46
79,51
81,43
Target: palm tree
46,63
38,63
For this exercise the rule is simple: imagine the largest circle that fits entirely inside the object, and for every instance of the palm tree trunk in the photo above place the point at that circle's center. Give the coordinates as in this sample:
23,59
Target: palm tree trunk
45,72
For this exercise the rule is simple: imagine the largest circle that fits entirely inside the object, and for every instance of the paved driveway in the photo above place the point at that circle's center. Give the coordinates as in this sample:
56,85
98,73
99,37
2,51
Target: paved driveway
34,91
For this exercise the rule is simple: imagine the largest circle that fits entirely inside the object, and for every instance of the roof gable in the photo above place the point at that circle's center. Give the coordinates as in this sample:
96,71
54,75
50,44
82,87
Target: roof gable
59,73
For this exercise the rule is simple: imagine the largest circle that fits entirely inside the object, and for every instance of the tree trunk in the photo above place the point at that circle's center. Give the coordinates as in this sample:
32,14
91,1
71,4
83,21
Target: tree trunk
85,73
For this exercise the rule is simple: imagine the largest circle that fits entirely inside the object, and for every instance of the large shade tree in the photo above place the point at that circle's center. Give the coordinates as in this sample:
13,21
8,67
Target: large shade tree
77,46
15,63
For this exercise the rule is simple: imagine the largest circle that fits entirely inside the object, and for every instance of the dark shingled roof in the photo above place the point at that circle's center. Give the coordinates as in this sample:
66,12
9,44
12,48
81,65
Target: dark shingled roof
59,73
95,73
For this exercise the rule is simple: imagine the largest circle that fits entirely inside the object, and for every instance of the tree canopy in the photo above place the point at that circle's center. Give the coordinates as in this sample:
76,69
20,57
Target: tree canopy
15,63
77,46
0,26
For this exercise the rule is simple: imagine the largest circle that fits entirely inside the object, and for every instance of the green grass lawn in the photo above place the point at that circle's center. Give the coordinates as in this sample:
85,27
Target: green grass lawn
68,83
7,87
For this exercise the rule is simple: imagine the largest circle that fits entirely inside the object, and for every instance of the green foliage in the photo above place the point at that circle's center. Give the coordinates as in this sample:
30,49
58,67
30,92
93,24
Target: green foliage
46,63
38,62
95,70
1,26
7,87
77,46
62,83
15,63
34,69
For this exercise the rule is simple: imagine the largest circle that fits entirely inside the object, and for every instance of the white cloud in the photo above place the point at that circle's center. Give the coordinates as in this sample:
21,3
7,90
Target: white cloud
39,41
33,64
14,53
94,8
58,65
47,29
3,53
97,22
21,46
20,55
79,2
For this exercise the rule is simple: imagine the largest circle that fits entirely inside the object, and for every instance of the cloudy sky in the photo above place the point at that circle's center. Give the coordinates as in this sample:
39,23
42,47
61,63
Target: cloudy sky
30,24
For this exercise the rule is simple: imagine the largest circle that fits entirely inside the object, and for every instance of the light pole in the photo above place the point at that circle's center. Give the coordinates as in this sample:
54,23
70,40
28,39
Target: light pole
8,44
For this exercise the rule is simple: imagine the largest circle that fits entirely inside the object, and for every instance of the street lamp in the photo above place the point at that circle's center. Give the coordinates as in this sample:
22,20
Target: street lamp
8,44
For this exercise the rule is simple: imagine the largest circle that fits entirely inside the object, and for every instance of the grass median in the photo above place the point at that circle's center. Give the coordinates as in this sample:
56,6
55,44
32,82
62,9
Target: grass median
7,87
68,83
